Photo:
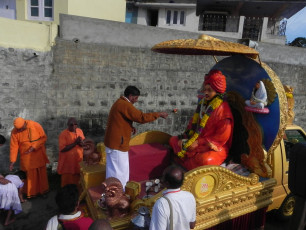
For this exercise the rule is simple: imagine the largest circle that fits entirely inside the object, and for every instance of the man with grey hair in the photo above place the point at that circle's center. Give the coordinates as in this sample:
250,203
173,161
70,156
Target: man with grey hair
175,207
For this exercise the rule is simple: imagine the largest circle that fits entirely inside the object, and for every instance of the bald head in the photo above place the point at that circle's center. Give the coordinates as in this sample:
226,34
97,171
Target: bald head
101,224
72,124
173,177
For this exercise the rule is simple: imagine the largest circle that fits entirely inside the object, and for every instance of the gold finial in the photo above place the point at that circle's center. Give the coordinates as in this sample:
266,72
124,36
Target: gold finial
208,38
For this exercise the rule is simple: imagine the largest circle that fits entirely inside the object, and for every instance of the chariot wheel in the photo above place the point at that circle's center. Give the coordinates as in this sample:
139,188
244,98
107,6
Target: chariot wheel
286,209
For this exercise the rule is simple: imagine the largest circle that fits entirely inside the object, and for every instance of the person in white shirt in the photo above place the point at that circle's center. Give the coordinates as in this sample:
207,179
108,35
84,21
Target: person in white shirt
183,204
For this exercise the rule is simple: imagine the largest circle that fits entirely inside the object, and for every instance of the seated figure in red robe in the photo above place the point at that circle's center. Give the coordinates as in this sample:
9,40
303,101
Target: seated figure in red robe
208,136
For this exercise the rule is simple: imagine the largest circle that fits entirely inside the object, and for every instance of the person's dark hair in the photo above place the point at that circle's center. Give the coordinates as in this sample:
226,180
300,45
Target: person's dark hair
131,90
2,140
21,174
67,199
100,224
173,176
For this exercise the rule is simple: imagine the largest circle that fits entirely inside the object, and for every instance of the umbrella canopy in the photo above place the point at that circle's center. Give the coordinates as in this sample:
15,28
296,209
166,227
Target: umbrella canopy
204,45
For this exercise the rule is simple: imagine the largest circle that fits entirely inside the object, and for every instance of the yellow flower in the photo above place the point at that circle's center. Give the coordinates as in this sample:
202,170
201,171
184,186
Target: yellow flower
215,103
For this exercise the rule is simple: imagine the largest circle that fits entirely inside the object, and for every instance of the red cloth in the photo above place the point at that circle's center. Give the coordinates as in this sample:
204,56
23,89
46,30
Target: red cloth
218,131
253,220
148,161
79,223
216,80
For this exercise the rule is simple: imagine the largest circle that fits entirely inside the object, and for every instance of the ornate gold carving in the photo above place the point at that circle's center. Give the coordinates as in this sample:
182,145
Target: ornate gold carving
225,180
256,160
232,196
271,92
290,102
283,109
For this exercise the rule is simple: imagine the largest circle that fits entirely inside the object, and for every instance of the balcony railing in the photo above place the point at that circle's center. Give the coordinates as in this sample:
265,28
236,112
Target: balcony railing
219,22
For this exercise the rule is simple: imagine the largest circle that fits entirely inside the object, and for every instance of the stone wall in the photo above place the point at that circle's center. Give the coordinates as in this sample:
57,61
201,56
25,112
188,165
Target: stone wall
27,90
83,80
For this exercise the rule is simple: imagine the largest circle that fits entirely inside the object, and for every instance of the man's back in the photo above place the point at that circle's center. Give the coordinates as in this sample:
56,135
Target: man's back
184,210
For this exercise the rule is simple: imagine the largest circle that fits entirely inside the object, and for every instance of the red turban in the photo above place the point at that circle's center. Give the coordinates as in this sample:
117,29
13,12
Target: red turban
19,122
216,80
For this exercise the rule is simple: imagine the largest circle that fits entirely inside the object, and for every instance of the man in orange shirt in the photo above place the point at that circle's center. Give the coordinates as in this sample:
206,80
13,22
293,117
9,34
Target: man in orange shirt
119,130
71,153
28,138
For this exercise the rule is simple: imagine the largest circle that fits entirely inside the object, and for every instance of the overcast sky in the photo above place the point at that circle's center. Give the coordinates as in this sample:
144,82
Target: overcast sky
296,25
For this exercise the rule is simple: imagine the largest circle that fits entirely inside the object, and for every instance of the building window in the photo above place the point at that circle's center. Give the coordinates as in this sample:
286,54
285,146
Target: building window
252,28
41,10
182,18
214,22
168,19
175,17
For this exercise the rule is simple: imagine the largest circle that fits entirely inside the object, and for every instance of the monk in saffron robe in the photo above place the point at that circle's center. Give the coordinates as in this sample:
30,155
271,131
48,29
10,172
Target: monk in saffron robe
208,136
71,153
28,138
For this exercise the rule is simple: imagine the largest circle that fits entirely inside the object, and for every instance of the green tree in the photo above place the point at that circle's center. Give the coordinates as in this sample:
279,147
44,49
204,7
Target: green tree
299,42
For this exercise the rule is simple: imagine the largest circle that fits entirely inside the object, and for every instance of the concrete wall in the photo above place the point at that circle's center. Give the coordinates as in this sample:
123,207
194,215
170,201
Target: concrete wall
102,9
27,35
90,30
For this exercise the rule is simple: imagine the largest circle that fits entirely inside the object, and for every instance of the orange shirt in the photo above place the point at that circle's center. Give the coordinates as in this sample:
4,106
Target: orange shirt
119,124
68,162
33,136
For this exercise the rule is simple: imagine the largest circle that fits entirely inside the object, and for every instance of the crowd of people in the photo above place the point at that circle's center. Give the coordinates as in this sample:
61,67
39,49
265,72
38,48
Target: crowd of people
205,141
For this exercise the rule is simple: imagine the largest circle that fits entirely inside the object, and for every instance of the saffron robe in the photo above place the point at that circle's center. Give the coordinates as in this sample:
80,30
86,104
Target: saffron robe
33,163
218,131
69,162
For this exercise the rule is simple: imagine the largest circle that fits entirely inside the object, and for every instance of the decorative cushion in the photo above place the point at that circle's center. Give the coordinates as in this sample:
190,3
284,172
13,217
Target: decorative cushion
257,110
148,161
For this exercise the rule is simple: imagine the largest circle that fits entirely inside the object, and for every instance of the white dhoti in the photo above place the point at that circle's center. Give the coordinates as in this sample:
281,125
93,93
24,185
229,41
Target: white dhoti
117,165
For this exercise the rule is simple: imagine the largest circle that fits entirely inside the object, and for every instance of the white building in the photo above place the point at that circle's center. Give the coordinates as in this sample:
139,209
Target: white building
245,19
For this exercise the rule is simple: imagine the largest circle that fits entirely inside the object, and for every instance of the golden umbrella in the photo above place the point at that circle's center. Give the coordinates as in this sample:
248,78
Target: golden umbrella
204,45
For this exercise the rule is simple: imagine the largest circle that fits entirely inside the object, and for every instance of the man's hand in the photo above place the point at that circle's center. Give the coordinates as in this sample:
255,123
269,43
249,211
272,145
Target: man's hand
193,145
252,102
180,143
31,149
213,146
78,141
4,181
133,130
11,166
163,114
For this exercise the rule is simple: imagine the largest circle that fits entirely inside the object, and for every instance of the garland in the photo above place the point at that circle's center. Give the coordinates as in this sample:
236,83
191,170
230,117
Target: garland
193,136
289,95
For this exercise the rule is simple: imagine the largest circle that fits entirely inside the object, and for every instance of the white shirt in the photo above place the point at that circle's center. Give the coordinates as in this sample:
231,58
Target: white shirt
53,222
15,180
184,210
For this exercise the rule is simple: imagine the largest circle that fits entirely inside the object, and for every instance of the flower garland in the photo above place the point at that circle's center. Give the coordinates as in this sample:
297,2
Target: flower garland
193,135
